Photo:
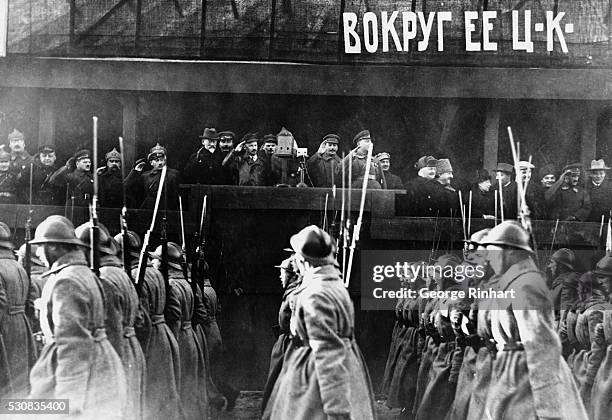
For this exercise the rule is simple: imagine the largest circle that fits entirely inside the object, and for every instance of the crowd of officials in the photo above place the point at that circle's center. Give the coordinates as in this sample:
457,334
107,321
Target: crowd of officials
575,193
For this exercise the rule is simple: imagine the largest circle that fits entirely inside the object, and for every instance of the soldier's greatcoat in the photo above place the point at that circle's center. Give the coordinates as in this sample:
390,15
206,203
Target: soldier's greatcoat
8,188
143,186
78,182
16,297
110,189
325,373
601,363
324,170
43,191
160,349
530,379
78,362
179,314
376,177
122,305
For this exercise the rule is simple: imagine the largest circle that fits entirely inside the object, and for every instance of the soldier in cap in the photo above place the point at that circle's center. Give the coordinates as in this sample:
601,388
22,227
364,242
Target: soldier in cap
269,144
530,374
394,182
179,315
322,324
599,188
16,305
78,362
43,191
8,181
418,200
563,281
568,199
20,158
146,183
110,188
204,166
246,162
357,158
534,193
157,341
76,176
323,166
226,144
121,303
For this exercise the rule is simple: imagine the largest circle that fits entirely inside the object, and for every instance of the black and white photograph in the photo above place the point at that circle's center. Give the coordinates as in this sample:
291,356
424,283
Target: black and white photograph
306,209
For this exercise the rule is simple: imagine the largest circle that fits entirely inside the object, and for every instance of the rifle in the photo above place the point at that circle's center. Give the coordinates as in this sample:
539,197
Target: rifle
357,226
28,231
183,243
163,237
200,242
142,264
95,229
125,254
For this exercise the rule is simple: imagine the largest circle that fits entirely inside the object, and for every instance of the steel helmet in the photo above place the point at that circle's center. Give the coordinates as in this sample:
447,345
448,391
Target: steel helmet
56,229
510,234
134,243
5,236
478,237
564,256
175,255
107,243
314,244
604,266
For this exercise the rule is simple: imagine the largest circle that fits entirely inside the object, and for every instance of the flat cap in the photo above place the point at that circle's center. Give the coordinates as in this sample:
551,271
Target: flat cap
383,155
504,167
574,168
81,154
270,138
362,135
331,138
425,162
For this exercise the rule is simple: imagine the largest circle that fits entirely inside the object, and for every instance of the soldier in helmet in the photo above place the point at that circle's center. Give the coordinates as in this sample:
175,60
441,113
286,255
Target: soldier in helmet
358,157
179,315
157,341
145,184
8,181
204,166
20,158
110,182
76,176
567,198
16,305
322,325
530,374
78,362
121,303
43,191
323,166
563,280
394,182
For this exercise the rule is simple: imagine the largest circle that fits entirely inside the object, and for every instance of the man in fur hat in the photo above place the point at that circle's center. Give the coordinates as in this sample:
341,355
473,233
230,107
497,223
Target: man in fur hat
418,200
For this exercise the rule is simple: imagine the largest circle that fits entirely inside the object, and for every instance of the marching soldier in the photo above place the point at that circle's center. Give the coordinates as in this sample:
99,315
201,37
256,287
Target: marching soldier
145,184
394,182
20,158
110,189
160,348
8,180
43,191
599,188
563,280
290,281
76,176
569,200
16,300
121,303
357,159
530,377
322,324
78,362
246,162
179,314
323,166
204,166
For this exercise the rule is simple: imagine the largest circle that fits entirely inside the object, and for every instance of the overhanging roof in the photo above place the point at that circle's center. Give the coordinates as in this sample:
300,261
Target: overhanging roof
305,79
